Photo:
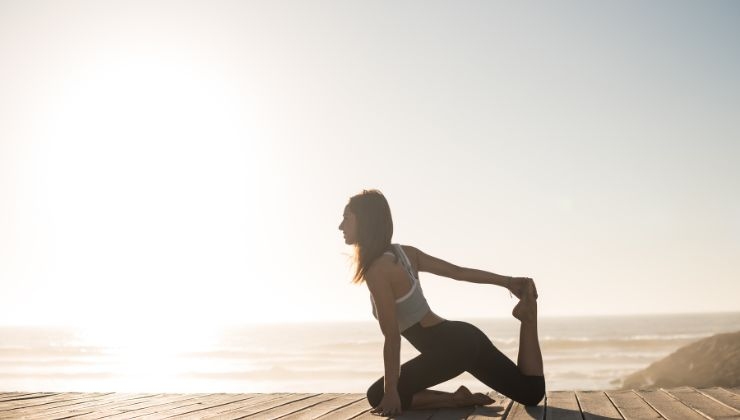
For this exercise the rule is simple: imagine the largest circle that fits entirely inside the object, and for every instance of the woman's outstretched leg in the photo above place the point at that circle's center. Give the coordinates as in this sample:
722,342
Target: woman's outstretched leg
529,359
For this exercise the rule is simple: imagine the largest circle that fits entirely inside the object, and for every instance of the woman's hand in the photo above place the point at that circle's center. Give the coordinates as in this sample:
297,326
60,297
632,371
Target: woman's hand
517,286
390,405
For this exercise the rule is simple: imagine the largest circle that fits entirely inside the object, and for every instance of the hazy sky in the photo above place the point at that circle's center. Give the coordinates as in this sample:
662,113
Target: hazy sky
181,162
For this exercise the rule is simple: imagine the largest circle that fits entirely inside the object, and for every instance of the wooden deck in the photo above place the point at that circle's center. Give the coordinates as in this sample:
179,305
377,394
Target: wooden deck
674,403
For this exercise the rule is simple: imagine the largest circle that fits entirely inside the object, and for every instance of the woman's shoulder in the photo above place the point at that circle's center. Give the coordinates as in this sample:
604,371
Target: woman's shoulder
388,258
404,247
392,257
409,250
412,254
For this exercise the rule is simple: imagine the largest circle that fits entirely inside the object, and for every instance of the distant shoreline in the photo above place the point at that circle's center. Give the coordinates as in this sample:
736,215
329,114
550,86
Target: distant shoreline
370,320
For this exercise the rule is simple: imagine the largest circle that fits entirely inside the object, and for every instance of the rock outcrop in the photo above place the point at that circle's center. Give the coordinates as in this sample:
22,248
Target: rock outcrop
713,361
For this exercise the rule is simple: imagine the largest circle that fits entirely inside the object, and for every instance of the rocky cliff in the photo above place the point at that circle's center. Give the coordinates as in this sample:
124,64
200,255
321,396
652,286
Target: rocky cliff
713,361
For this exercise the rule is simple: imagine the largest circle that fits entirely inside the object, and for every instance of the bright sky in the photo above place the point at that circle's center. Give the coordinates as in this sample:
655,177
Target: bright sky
185,162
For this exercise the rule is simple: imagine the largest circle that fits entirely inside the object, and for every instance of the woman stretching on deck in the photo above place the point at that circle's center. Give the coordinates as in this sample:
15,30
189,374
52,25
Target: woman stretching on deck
448,348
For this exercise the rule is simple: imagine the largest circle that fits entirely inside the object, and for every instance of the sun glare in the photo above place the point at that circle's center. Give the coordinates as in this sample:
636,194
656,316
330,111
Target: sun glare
151,355
144,164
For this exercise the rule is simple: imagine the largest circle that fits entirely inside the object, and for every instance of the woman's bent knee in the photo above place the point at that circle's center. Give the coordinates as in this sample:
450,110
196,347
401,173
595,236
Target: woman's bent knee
534,393
375,393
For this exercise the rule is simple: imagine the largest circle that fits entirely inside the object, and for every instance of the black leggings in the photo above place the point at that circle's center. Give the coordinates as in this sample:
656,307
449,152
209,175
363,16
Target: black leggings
451,348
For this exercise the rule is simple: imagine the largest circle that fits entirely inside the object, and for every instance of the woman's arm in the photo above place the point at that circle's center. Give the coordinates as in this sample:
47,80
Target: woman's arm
377,280
434,265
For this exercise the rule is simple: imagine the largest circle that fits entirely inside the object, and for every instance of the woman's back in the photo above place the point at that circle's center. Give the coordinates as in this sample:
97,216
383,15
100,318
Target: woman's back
400,282
411,305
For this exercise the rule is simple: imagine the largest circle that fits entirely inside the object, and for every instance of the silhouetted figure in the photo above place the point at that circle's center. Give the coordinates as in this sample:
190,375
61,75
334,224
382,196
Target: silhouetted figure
448,348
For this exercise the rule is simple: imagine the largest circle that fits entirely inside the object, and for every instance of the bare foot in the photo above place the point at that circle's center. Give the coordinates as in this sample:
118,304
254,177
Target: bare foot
464,398
526,309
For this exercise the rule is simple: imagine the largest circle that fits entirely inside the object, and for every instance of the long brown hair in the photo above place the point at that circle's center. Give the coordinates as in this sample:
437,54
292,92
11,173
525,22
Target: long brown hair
374,229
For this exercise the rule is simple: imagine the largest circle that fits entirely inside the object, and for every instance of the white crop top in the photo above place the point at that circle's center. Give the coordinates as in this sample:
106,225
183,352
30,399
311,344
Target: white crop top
411,307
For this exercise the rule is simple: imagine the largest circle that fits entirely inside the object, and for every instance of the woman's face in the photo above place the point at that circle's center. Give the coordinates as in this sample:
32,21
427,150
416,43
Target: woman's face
349,226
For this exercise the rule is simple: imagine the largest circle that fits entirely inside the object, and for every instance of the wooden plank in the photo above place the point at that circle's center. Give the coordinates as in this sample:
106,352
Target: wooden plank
450,413
324,407
423,414
113,401
116,406
40,400
283,409
406,415
99,404
238,411
595,405
199,405
285,405
10,396
91,413
675,403
348,412
702,403
562,405
724,396
631,406
34,400
500,408
460,413
668,406
256,399
58,406
519,411
157,408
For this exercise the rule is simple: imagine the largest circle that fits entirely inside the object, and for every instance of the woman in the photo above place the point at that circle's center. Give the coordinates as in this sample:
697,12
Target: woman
447,347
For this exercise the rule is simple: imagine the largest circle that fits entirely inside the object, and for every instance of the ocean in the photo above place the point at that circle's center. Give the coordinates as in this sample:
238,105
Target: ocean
580,353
